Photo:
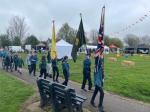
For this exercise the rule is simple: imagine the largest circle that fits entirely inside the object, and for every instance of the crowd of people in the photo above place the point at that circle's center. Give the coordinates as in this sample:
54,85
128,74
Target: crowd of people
49,68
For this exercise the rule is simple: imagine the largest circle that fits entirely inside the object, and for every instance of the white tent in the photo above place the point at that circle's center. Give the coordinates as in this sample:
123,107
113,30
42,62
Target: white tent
63,49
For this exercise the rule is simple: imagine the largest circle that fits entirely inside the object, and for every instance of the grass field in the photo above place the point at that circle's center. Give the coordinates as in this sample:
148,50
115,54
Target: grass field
13,93
129,81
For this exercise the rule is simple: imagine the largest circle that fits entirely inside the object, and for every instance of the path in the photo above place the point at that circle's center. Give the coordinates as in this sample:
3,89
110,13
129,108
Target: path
112,103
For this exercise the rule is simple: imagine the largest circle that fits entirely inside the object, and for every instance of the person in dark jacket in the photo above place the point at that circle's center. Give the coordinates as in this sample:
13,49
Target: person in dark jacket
55,69
7,61
33,60
42,67
98,81
65,67
11,62
20,64
16,61
87,73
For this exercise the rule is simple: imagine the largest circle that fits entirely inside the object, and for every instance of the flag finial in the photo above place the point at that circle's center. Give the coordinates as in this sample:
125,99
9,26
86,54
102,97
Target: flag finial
81,15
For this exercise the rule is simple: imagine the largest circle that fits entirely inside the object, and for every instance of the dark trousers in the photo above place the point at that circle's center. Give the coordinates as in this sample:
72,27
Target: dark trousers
66,76
55,70
100,89
29,68
33,69
11,67
43,72
16,67
7,67
86,76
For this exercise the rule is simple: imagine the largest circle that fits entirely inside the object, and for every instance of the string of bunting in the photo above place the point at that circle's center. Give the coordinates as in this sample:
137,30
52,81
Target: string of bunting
140,20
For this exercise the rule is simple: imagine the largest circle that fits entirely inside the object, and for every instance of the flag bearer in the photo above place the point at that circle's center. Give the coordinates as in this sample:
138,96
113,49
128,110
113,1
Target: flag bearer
55,69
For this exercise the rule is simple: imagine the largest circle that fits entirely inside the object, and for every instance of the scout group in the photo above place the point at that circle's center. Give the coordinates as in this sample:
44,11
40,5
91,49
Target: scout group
49,68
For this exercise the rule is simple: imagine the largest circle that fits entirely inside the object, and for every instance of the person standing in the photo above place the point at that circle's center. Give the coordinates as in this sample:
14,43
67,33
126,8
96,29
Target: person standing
49,64
87,73
55,69
28,62
11,62
98,81
42,67
7,61
65,67
20,64
33,60
16,61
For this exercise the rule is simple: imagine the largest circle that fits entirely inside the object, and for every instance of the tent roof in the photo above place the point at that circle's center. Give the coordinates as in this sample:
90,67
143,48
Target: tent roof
113,46
63,43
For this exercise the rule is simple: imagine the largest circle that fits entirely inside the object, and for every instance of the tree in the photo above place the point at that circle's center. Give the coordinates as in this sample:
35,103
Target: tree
116,41
32,40
16,41
106,40
67,33
4,40
145,40
17,28
132,40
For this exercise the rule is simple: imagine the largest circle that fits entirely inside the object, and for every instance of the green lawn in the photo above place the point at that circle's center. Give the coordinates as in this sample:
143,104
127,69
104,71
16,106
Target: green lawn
129,81
13,93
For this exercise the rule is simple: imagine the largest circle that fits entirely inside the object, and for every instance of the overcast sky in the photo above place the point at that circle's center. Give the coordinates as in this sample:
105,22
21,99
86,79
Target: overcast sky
40,13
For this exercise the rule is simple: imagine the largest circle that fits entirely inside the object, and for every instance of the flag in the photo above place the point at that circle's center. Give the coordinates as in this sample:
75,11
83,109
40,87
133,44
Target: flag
99,59
53,48
79,41
100,45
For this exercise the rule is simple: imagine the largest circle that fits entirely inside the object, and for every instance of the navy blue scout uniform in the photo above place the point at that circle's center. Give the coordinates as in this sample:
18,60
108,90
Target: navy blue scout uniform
87,73
42,67
55,69
11,62
65,67
98,81
15,61
7,61
33,60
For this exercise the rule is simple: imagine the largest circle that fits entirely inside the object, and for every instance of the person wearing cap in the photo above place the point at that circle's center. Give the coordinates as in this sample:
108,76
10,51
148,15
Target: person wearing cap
87,73
65,67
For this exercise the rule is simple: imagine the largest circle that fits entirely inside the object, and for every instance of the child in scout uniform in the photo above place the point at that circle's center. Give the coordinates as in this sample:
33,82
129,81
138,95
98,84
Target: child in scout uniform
65,67
98,82
16,61
42,67
20,64
87,73
55,69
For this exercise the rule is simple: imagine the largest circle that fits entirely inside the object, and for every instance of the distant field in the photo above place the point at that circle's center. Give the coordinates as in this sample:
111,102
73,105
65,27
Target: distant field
13,93
129,81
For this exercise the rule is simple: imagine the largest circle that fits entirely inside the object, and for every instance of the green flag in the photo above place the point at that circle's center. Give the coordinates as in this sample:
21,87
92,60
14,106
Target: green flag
79,41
